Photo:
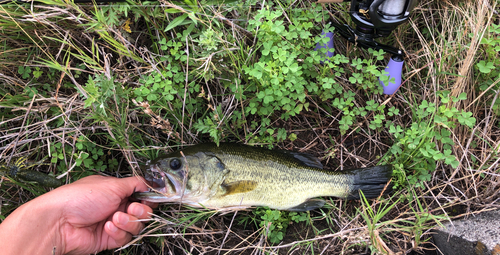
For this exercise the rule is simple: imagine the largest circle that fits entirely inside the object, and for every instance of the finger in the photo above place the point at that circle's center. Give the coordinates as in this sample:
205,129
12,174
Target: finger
125,187
133,184
150,204
119,237
140,211
127,223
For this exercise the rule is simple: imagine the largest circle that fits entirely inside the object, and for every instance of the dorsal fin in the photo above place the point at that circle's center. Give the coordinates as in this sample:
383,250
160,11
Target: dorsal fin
304,158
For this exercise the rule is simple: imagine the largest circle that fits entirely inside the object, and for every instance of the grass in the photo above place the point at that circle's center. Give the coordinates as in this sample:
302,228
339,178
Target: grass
101,89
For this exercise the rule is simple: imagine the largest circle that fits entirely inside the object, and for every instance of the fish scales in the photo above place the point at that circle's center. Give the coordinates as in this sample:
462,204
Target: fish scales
234,175
281,183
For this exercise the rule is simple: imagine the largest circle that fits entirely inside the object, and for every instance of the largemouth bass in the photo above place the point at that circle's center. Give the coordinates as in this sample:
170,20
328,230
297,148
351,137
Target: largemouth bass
239,176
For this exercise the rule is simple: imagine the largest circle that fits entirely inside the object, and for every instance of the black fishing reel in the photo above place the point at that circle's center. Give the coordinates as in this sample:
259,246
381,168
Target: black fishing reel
374,19
377,18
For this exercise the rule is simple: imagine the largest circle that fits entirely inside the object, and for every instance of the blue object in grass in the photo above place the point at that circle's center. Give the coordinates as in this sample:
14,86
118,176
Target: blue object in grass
329,46
394,70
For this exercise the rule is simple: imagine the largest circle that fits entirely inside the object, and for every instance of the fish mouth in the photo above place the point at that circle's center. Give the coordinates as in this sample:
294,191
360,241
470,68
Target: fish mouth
162,182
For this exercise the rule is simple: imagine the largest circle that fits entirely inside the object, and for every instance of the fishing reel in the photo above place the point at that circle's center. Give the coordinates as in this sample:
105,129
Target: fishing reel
374,19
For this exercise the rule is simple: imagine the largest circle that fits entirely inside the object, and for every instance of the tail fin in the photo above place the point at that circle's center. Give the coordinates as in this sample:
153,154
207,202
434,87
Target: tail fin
372,181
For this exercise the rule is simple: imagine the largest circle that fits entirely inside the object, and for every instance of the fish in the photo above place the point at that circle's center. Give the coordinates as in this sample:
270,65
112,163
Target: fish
237,176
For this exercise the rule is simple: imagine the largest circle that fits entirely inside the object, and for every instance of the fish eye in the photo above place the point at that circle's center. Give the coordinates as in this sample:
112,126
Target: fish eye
175,164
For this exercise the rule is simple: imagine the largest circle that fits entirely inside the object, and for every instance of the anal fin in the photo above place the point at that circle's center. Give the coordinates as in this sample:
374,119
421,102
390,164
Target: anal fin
308,205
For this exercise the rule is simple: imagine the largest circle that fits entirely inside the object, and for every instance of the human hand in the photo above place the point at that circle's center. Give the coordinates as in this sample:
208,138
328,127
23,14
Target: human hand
84,217
98,215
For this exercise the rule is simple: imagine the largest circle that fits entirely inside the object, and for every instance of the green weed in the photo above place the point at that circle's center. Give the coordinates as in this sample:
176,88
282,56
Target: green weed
487,69
273,223
418,148
375,214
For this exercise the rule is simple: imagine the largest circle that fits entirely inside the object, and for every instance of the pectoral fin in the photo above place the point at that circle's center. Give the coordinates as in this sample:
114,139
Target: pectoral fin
308,205
238,187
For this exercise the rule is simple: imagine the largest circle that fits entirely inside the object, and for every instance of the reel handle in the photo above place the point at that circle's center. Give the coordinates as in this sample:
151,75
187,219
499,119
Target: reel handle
329,46
394,69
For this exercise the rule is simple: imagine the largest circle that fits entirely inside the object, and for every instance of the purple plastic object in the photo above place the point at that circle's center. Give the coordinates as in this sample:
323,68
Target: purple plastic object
394,69
328,46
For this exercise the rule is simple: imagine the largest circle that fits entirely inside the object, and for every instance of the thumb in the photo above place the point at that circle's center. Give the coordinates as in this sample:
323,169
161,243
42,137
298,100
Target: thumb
133,184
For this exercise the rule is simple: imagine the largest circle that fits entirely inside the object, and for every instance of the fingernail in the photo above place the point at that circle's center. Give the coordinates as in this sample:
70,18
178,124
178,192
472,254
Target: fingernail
112,227
138,210
123,219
